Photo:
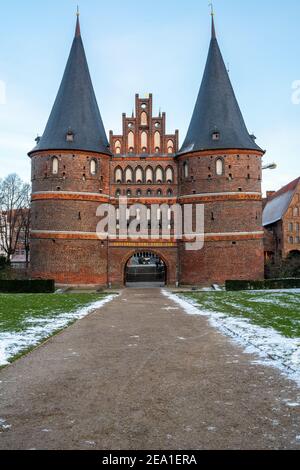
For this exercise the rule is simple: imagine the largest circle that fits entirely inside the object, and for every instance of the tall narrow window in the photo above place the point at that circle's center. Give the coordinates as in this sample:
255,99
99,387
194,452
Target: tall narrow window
157,140
130,140
129,175
118,175
159,175
118,147
186,170
170,146
144,140
219,167
55,165
93,166
149,175
169,175
139,175
144,119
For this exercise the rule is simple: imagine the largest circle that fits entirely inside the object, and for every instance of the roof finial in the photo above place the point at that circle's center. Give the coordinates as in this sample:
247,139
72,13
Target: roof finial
213,30
77,32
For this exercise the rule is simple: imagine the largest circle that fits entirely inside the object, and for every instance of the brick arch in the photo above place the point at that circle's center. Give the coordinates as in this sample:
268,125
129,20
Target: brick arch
155,251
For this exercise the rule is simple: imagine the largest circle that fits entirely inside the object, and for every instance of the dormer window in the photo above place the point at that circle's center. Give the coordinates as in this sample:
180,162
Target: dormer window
70,135
215,135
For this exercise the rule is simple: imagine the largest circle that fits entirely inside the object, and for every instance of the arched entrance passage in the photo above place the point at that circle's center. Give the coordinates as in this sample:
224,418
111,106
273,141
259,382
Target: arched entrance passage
145,269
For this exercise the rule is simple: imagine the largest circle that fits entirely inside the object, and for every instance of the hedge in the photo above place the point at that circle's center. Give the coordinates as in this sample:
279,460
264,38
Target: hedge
27,286
263,285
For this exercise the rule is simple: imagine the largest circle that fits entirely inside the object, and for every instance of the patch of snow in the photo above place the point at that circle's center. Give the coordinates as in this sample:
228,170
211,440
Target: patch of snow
3,425
14,342
274,349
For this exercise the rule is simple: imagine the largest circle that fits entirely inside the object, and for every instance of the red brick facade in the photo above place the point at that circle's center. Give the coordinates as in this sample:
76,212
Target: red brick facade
282,224
145,167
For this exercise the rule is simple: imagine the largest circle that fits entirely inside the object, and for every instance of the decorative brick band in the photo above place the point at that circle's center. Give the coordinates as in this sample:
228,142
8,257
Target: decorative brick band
229,236
218,152
214,197
69,196
193,198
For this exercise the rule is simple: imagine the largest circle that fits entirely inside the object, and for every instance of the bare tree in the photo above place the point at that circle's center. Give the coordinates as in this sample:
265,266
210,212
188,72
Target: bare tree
26,223
13,204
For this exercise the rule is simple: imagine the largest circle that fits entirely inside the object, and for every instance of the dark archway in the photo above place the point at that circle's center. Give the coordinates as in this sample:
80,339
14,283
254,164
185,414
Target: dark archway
145,269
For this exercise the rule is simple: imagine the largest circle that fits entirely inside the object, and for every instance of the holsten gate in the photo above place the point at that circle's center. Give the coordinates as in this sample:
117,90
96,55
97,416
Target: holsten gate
75,170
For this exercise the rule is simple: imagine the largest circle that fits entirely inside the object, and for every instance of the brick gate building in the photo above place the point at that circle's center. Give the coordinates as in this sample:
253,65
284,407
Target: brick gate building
75,169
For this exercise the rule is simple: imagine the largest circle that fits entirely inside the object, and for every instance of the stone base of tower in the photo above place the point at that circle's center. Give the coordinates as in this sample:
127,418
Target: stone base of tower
220,261
69,261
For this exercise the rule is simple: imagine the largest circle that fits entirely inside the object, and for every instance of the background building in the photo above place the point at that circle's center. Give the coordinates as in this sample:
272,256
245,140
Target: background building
281,220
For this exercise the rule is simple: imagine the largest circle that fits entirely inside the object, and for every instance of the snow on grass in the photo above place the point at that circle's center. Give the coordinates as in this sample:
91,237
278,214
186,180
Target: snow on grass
273,348
13,343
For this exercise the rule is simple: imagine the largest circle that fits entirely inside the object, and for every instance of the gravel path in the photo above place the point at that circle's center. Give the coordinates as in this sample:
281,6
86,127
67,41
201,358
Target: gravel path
141,374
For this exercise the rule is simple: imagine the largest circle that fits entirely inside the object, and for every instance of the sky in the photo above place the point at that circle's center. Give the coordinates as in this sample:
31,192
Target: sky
157,47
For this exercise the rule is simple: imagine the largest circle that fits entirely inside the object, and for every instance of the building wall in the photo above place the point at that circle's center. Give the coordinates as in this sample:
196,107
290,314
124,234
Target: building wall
229,184
291,225
283,236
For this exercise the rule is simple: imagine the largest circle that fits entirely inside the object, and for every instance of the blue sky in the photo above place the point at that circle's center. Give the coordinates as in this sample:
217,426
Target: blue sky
160,47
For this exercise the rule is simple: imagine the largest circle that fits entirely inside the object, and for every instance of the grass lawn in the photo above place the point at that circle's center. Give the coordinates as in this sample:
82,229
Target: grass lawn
278,310
28,319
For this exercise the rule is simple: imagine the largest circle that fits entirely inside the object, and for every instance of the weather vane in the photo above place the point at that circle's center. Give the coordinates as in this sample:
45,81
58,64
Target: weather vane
211,5
78,13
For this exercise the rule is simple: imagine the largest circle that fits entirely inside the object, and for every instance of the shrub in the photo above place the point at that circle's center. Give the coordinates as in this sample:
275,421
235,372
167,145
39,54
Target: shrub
29,286
263,285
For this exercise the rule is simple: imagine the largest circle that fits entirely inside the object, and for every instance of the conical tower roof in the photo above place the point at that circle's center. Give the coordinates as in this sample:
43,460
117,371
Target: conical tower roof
217,122
75,111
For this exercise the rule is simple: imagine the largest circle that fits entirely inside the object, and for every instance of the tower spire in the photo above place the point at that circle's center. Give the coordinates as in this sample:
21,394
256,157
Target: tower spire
75,121
213,29
217,122
77,32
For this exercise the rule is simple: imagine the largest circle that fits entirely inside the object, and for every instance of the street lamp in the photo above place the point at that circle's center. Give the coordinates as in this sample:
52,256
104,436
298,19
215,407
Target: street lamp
270,166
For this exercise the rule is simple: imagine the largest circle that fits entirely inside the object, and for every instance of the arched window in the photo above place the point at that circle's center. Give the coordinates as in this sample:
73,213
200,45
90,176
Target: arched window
118,193
186,170
93,167
128,193
144,140
170,193
170,146
149,192
129,175
118,147
55,165
296,211
130,140
219,167
149,175
144,119
118,175
139,193
169,175
139,175
157,140
159,192
158,175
